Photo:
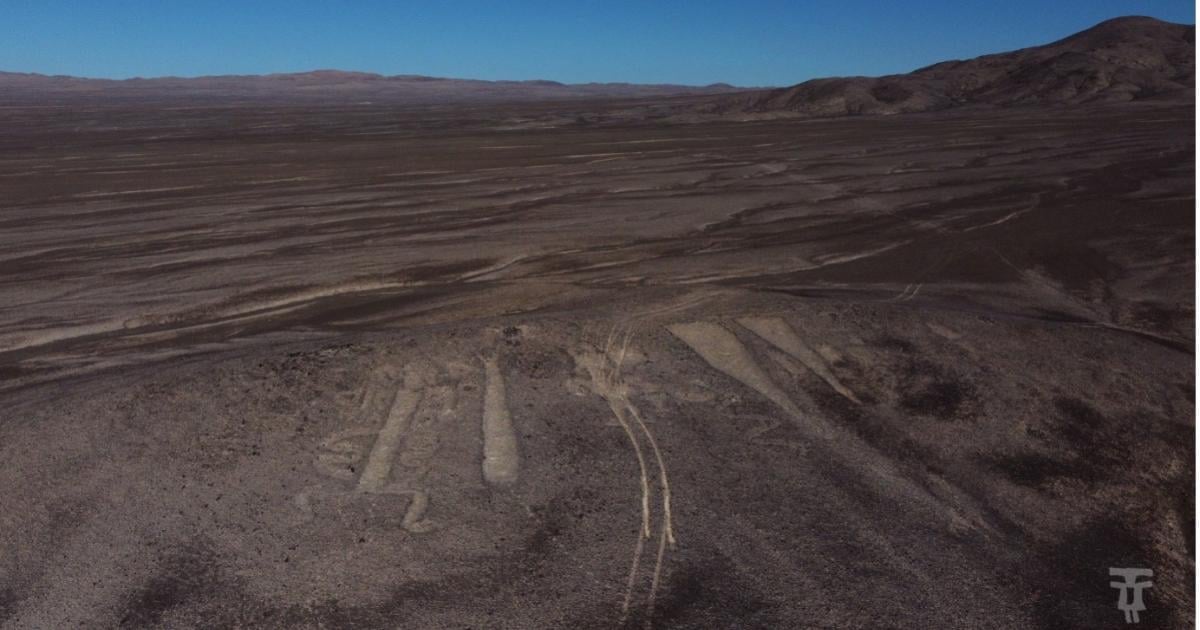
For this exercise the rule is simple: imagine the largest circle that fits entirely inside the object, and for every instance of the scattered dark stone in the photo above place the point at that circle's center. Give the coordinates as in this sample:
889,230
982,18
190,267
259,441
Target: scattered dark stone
701,593
1080,421
189,576
8,603
1071,581
1035,470
941,399
895,343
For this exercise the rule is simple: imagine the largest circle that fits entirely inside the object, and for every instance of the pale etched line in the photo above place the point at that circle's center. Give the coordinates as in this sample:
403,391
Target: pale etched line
664,482
379,462
1032,205
722,350
845,258
303,503
881,472
501,462
645,531
667,529
475,276
903,294
619,413
338,452
379,393
778,333
605,371
595,365
915,292
414,517
616,369
654,584
606,389
767,425
612,332
614,392
638,549
690,300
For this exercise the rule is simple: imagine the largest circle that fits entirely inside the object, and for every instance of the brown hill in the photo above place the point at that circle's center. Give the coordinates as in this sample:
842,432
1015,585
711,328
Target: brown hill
1121,59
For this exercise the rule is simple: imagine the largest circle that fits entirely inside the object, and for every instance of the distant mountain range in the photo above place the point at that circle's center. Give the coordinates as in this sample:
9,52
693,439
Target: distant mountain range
320,86
1123,59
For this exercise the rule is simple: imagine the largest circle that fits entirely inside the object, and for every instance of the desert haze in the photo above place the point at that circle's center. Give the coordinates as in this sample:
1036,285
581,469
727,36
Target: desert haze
339,350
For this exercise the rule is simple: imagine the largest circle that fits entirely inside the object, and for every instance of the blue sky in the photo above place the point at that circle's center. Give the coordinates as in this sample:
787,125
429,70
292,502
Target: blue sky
747,42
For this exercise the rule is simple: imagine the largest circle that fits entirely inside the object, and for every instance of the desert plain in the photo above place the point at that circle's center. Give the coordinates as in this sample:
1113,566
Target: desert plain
557,365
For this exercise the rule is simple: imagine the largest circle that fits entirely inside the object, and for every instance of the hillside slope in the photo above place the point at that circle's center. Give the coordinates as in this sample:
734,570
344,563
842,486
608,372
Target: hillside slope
1122,59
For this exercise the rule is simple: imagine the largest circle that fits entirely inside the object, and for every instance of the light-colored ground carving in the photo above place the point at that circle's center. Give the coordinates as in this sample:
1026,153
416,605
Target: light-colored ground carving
501,459
722,350
342,450
383,453
396,442
778,333
604,369
765,425
375,398
910,291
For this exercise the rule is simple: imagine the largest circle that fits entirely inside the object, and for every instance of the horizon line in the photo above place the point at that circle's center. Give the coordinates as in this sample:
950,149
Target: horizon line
367,73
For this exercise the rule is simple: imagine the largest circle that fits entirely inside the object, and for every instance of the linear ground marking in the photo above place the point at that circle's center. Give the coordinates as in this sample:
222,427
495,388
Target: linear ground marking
598,365
777,332
667,529
654,583
378,470
414,517
383,453
638,549
767,424
880,471
379,392
664,482
722,350
501,461
595,365
604,368
339,451
616,365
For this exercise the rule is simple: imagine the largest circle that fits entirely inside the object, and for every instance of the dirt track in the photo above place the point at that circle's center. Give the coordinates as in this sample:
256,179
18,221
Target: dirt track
919,371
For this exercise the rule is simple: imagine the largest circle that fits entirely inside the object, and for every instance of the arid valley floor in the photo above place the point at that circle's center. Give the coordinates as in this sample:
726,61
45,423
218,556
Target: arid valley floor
537,367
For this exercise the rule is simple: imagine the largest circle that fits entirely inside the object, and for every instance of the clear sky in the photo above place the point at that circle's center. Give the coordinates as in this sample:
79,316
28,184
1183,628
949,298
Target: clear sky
744,42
